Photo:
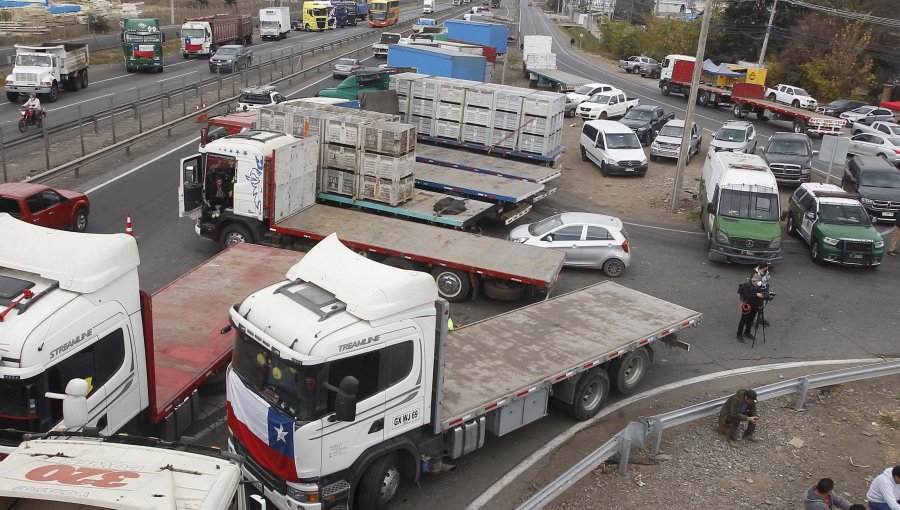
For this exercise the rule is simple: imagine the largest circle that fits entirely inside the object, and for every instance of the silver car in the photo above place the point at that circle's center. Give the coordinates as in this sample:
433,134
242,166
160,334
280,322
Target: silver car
734,136
871,144
667,143
588,240
344,67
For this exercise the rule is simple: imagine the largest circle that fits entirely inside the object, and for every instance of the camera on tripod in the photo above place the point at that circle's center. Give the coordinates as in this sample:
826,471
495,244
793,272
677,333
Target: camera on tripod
769,296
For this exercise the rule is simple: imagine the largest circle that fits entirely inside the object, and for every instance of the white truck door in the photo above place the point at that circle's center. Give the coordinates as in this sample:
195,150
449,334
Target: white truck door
406,385
190,188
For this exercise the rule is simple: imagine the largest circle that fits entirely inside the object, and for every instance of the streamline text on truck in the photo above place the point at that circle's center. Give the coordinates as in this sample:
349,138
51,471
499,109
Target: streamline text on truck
46,69
142,44
274,23
71,308
350,362
203,36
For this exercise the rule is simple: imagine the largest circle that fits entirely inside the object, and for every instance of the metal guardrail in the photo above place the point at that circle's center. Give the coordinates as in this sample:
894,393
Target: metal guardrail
74,165
636,432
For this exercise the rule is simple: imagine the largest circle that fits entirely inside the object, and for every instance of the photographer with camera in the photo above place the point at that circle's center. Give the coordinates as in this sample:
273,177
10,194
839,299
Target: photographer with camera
751,296
762,269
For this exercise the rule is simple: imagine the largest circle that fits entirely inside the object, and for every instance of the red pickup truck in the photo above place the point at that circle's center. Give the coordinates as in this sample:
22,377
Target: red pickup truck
47,207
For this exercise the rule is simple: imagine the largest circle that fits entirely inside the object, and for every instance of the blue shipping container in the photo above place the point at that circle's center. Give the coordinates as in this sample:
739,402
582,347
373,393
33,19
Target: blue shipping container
438,62
485,34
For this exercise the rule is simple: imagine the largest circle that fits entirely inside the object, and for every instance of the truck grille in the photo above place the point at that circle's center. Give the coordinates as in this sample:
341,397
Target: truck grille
865,246
669,146
785,169
629,163
270,479
27,77
748,244
857,252
885,205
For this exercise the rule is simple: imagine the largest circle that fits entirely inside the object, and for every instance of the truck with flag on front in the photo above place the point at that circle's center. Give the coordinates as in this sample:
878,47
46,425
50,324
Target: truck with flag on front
142,44
345,380
71,309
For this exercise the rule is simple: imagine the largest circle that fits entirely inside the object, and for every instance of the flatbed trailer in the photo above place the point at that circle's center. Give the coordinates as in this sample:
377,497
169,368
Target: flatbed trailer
749,98
482,163
680,83
559,81
426,245
549,159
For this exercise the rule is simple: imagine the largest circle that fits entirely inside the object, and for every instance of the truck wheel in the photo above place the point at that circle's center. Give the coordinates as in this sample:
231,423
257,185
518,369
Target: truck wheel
629,371
603,171
799,126
79,223
72,83
235,234
602,116
613,268
379,484
453,285
502,290
584,155
12,97
738,111
84,79
796,104
591,391
814,253
186,56
771,98
761,116
664,88
54,93
703,98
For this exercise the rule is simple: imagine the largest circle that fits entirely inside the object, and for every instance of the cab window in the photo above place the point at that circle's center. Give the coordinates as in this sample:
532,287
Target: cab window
10,206
598,234
590,132
96,364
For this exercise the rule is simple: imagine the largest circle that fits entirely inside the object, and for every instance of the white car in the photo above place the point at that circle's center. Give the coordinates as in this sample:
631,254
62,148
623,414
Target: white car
613,147
588,240
667,143
867,115
876,144
606,105
734,136
794,96
258,97
584,92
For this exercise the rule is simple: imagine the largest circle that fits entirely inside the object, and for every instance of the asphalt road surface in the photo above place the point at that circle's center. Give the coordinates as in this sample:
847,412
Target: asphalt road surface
820,312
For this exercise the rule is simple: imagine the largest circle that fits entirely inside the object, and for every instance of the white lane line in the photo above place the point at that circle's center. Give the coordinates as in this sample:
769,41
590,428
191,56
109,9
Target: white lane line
556,442
177,76
78,103
142,165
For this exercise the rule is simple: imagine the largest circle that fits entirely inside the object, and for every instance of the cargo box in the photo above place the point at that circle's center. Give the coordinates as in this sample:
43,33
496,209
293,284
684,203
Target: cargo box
387,167
539,144
423,125
341,157
421,107
542,125
477,134
450,111
506,120
391,138
482,95
544,104
477,115
503,138
447,129
384,190
336,181
510,99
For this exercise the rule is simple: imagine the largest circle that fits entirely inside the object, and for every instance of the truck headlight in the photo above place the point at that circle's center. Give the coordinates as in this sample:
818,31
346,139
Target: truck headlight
879,244
519,239
612,162
9,82
776,243
866,201
654,145
830,241
722,237
46,82
306,493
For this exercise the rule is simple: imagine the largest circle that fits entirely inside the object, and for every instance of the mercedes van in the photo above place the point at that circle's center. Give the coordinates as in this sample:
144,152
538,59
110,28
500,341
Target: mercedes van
740,210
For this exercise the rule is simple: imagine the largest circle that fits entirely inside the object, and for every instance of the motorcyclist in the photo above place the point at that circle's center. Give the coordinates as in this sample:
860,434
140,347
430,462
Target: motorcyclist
33,104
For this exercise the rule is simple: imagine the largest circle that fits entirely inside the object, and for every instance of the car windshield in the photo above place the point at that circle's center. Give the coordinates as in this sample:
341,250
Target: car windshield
749,204
600,99
673,131
346,62
545,225
730,135
622,141
863,109
293,388
255,98
226,52
839,103
639,114
800,92
191,33
583,90
33,60
790,147
378,15
880,179
844,214
893,128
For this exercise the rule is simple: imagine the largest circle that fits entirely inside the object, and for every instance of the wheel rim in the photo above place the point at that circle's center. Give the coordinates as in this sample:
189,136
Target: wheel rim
81,221
790,223
389,485
634,371
592,396
234,238
814,250
613,268
449,284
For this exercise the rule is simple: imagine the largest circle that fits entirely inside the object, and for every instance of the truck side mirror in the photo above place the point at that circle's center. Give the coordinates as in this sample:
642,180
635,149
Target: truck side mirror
810,215
761,149
75,409
711,208
815,153
345,402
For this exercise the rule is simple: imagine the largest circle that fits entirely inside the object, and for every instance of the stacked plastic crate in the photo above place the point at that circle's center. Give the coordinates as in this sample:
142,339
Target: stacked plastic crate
388,159
507,116
541,123
417,98
448,116
478,113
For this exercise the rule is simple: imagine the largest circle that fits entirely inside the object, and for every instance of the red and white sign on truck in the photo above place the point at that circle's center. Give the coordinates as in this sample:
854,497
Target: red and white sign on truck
71,309
203,36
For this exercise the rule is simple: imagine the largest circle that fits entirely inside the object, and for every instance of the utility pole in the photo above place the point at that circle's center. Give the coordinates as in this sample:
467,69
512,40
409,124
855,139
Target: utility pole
762,52
692,105
172,9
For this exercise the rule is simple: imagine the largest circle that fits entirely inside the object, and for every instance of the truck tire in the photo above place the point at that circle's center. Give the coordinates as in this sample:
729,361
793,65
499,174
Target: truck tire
72,83
235,234
503,290
703,98
771,97
590,394
799,126
12,97
84,78
628,371
738,111
584,155
80,221
453,285
186,56
796,104
602,116
53,95
761,116
664,88
815,253
379,483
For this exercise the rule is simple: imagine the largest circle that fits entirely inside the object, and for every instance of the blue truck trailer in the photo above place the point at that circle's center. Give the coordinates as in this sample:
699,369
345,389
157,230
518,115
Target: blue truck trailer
438,62
476,32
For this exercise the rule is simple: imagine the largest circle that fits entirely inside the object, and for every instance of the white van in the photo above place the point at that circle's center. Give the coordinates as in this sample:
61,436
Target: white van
613,147
740,208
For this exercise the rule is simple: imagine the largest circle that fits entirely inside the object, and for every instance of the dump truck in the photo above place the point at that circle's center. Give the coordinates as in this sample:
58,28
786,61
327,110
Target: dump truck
142,45
203,36
47,69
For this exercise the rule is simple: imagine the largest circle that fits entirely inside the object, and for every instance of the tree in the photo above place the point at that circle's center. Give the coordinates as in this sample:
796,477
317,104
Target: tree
665,36
843,71
619,39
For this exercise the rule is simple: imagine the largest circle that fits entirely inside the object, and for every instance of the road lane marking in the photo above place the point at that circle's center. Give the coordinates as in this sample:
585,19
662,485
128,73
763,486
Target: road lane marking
79,102
142,165
178,76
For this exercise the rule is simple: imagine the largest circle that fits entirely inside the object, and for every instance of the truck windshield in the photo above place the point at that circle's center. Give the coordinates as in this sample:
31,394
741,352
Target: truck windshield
671,131
33,60
269,24
844,214
622,141
790,147
255,98
320,11
800,92
880,179
730,135
753,205
389,38
600,99
638,115
136,37
583,90
378,16
293,388
226,51
19,406
192,33
545,225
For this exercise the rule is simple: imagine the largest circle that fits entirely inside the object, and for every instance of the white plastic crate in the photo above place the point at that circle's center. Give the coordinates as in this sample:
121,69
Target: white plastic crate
482,95
387,167
447,129
453,91
402,82
421,107
391,138
541,61
544,104
426,88
337,181
503,138
506,120
538,144
274,119
344,132
340,157
450,111
423,125
385,190
544,126
510,99
477,134
477,115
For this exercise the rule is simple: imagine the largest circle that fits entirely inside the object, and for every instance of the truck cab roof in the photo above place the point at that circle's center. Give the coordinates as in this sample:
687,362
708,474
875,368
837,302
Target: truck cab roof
745,170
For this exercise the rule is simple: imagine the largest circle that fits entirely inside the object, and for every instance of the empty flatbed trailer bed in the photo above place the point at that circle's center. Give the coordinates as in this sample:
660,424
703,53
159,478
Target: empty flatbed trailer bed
482,163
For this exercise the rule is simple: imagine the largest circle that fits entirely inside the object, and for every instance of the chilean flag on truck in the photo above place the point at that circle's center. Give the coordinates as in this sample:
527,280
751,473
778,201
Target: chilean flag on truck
267,434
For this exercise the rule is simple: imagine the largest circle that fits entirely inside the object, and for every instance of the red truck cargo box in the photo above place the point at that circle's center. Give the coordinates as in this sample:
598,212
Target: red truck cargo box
683,71
748,91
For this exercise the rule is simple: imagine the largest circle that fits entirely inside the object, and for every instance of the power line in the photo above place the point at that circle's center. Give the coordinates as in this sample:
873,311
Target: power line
866,18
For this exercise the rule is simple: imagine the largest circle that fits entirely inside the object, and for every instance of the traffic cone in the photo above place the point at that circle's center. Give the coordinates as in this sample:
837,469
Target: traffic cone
128,229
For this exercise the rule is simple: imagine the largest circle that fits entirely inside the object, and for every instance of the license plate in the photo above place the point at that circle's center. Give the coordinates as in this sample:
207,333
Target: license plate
745,252
888,214
856,255
629,169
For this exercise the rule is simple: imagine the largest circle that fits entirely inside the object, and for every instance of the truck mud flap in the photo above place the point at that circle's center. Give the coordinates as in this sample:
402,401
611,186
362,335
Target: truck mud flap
511,216
542,195
673,341
184,414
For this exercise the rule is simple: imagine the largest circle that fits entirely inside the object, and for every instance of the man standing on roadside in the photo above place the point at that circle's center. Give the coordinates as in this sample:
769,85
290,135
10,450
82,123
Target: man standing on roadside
821,496
884,493
740,407
751,297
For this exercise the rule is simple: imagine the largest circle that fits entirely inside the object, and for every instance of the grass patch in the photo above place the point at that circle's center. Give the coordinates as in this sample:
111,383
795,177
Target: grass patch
588,44
890,420
693,215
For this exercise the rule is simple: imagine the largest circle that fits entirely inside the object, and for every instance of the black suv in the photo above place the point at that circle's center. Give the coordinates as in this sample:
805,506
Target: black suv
878,184
839,106
789,156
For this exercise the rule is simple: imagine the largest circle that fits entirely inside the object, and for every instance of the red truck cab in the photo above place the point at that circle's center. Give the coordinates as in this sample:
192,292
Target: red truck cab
47,207
229,124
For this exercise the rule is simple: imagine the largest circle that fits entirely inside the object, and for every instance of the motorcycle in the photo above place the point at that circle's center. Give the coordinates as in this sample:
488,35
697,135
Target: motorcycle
31,117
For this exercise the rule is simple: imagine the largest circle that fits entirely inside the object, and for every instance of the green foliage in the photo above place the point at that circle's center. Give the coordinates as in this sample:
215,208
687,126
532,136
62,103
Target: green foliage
633,10
666,36
5,15
619,39
588,43
98,23
842,72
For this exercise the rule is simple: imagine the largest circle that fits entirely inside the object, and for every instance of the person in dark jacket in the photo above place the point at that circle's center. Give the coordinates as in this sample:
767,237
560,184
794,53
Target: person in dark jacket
751,297
739,408
821,496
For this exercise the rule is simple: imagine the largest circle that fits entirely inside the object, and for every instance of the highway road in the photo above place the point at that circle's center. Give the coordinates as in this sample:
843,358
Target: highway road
820,312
